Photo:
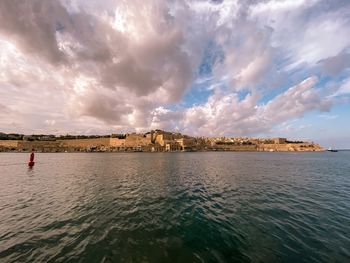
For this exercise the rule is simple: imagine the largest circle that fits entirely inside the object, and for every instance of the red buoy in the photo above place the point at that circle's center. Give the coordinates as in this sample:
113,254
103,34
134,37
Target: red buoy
31,159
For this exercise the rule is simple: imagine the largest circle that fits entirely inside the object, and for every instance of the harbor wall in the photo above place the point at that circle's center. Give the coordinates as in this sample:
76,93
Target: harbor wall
44,146
238,148
9,143
144,143
85,143
115,142
63,145
291,147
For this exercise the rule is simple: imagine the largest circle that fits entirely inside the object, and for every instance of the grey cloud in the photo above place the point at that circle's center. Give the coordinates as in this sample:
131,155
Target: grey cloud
105,108
335,65
158,61
31,25
79,41
127,73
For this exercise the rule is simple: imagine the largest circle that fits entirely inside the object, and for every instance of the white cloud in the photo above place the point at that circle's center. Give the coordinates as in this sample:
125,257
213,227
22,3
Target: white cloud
328,116
103,72
226,114
96,66
50,122
305,30
344,88
332,66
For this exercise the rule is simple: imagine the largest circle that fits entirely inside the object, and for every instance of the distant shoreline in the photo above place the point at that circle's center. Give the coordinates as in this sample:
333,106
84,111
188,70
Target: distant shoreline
170,152
153,141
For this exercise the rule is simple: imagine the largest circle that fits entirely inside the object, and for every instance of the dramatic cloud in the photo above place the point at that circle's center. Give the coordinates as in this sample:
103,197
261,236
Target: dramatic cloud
225,113
106,66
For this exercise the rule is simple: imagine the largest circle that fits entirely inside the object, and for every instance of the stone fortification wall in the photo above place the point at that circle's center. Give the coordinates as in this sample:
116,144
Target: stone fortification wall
186,142
85,143
290,147
136,140
38,145
144,143
115,142
131,141
163,138
238,148
62,145
9,143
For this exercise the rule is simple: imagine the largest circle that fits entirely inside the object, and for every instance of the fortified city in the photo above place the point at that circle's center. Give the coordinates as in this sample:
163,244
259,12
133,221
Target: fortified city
153,141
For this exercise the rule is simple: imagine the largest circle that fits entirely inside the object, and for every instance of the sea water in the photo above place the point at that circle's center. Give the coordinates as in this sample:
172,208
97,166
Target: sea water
175,207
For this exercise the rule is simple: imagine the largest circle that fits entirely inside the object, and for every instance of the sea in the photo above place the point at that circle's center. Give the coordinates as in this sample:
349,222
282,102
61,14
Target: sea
175,207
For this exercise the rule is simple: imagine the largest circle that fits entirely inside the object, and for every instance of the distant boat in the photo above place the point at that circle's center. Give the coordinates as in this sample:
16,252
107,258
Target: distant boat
332,150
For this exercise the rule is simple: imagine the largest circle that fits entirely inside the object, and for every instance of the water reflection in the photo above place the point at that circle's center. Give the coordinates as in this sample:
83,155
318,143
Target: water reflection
187,207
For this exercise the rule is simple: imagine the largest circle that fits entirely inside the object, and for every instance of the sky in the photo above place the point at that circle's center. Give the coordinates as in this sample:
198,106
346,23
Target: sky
251,68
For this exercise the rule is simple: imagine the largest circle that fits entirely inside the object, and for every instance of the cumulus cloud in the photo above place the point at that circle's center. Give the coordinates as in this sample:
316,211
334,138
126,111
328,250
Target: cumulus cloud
294,103
225,114
248,53
31,26
143,56
101,66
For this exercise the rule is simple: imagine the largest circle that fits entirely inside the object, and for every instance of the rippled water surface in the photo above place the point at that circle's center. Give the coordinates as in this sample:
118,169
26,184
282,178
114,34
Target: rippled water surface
175,207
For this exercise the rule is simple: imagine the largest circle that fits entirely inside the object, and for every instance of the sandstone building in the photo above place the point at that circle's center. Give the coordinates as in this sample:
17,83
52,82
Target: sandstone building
153,141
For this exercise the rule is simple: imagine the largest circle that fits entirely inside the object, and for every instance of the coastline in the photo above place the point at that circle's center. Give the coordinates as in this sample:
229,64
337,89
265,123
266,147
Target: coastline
154,141
94,149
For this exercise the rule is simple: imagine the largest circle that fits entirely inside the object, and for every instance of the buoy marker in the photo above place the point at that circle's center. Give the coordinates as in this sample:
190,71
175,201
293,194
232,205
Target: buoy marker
31,159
